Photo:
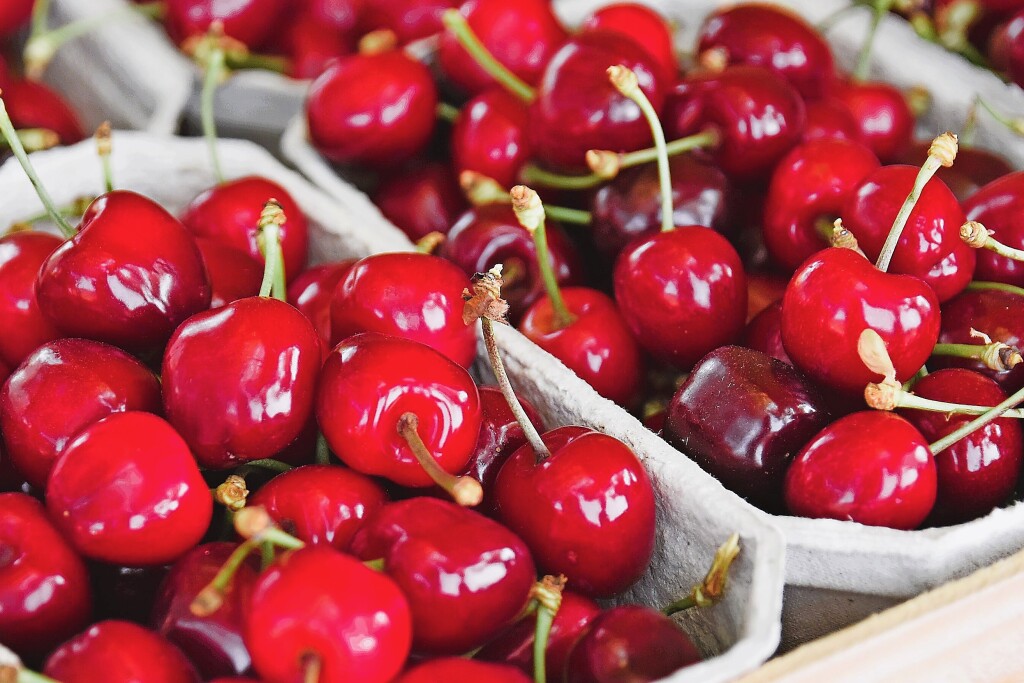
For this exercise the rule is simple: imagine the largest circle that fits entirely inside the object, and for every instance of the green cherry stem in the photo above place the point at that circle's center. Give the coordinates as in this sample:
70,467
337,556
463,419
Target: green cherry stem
712,588
40,15
981,286
994,355
978,236
548,594
211,597
530,213
481,190
104,148
36,139
271,220
884,396
879,9
323,451
465,490
7,128
23,675
213,60
270,465
977,423
460,28
1015,125
447,112
941,153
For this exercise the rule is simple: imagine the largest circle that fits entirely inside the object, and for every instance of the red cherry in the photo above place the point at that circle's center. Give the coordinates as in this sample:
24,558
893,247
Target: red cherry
230,213
870,467
370,381
31,104
340,15
317,607
586,511
881,111
238,382
377,110
979,472
845,289
321,504
252,22
422,199
409,295
490,136
998,206
466,577
682,293
991,311
233,274
764,333
44,587
63,387
21,255
106,283
643,24
126,490
522,36
409,19
577,109
14,15
830,118
460,670
311,293
121,650
310,43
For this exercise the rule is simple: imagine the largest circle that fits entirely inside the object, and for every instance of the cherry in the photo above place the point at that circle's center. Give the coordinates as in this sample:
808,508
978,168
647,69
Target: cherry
576,109
490,136
44,587
809,187
374,109
466,577
421,199
317,609
233,274
409,19
882,114
643,24
311,293
367,386
522,37
321,504
212,642
252,22
460,670
311,43
340,15
21,255
873,468
979,472
105,283
764,333
771,37
123,651
35,105
414,296
126,490
997,205
742,415
629,642
63,387
830,118
14,15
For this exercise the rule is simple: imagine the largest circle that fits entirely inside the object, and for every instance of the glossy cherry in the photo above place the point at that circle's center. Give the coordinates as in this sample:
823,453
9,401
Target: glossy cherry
997,205
126,490
318,607
461,670
423,303
844,288
44,588
882,114
409,19
63,387
644,25
250,21
340,15
14,15
994,312
377,110
421,199
586,511
311,293
742,416
311,43
871,467
321,504
764,333
123,651
21,255
682,293
106,283
491,137
31,104
830,118
979,472
233,273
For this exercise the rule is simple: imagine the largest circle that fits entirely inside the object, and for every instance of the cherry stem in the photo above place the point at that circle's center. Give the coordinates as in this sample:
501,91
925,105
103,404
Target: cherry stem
104,148
271,219
995,356
211,597
481,190
36,139
978,236
981,286
548,595
254,523
7,128
23,675
270,464
243,59
429,243
530,213
40,14
311,667
43,44
460,28
73,210
215,66
465,490
941,153
232,493
977,423
447,112
712,588
564,214
323,450
884,396
1015,125
879,8
377,565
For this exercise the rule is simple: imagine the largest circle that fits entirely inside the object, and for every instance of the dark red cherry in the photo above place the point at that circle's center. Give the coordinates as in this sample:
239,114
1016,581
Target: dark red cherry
311,293
238,382
44,588
14,15
597,345
340,15
869,467
466,577
578,109
63,387
491,136
212,642
644,25
122,651
126,490
522,36
252,22
807,193
126,593
462,670
370,381
742,416
881,111
409,295
31,104
377,110
489,234
979,472
995,312
830,118
233,273
630,643
759,116
974,168
409,19
586,511
321,504
310,44
129,276
998,206
764,333
230,213
26,328
318,607
421,199
682,293
844,288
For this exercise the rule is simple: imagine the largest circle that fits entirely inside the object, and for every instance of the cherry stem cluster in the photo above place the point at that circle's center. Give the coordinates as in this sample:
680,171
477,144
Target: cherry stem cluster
460,28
